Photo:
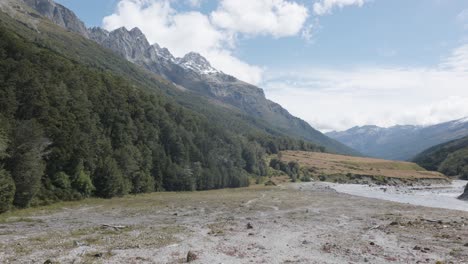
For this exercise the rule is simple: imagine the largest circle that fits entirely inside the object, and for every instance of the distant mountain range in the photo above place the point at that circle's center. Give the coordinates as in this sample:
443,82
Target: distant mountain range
400,142
191,73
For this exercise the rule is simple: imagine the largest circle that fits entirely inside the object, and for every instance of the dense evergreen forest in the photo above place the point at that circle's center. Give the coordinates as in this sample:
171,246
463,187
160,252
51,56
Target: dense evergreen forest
71,130
450,158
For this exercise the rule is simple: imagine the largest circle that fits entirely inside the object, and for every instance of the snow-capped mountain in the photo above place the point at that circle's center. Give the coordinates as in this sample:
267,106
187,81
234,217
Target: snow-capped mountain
400,142
197,63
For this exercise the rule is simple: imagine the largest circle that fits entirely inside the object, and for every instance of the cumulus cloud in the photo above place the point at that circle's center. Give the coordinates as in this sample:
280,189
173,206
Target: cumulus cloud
323,7
458,61
385,96
278,18
212,35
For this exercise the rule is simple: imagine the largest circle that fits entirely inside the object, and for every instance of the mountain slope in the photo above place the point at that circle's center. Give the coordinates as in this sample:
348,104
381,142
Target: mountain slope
400,142
78,120
450,158
194,73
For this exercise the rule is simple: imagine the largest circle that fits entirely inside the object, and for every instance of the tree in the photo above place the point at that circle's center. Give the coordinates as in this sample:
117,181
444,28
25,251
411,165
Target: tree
26,162
109,180
7,191
82,181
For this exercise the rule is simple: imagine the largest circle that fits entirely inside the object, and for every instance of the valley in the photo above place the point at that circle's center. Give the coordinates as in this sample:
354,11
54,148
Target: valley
115,150
291,223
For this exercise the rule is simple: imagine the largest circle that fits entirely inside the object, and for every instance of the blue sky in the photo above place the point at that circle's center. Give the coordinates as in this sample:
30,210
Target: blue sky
334,63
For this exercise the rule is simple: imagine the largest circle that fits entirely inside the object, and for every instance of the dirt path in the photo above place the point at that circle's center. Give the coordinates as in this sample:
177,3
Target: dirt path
251,225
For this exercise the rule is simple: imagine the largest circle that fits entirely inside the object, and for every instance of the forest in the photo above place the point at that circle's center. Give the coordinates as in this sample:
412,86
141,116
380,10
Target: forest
71,130
450,158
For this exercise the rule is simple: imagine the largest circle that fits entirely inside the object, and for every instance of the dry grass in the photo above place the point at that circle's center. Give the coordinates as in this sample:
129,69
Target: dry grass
328,164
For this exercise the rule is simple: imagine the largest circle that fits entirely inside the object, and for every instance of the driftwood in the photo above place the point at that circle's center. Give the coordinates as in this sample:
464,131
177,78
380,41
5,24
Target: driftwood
116,227
433,221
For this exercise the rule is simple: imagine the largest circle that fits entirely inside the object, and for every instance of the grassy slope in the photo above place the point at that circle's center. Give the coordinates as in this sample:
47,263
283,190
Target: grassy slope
330,164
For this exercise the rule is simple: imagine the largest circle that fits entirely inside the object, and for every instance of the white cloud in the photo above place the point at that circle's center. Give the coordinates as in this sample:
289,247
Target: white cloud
323,7
458,61
463,18
385,96
309,31
278,18
194,3
213,35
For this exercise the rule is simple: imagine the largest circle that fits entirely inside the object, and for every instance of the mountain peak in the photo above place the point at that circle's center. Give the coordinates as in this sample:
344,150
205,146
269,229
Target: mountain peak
163,53
136,32
196,62
59,14
462,120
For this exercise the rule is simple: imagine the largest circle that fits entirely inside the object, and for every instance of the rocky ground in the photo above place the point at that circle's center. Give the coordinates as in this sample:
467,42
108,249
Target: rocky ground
295,223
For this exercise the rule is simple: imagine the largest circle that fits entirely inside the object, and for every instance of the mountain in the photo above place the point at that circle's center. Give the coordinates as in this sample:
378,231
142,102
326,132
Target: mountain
450,158
194,73
59,14
78,120
400,142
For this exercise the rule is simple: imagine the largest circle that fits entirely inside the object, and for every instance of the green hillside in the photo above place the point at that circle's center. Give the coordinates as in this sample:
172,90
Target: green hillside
450,158
78,121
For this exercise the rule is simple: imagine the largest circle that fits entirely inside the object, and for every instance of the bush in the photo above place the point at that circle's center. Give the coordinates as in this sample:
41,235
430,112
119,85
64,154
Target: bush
306,178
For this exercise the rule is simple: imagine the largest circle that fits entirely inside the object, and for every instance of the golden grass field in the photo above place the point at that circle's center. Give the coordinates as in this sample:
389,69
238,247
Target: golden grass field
331,164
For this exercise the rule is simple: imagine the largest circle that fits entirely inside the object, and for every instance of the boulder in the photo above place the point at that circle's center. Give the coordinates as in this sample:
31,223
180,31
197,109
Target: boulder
464,196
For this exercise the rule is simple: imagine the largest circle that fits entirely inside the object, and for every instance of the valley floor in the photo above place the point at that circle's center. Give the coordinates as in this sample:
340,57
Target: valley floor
295,223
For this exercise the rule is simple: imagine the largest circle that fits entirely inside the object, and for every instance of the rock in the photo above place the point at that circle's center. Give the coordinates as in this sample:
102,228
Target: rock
191,256
417,248
394,223
372,243
98,255
48,262
249,226
464,196
59,15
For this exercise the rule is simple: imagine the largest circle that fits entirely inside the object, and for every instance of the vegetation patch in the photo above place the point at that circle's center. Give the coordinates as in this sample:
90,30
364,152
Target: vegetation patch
304,166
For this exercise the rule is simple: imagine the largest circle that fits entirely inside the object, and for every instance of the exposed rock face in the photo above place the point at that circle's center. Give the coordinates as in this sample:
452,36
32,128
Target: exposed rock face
195,62
464,196
59,15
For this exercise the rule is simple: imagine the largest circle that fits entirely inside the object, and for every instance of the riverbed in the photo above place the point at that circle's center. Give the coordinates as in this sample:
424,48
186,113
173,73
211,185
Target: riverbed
435,195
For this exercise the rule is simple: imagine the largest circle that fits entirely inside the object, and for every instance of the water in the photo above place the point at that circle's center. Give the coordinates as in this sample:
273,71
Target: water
438,196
